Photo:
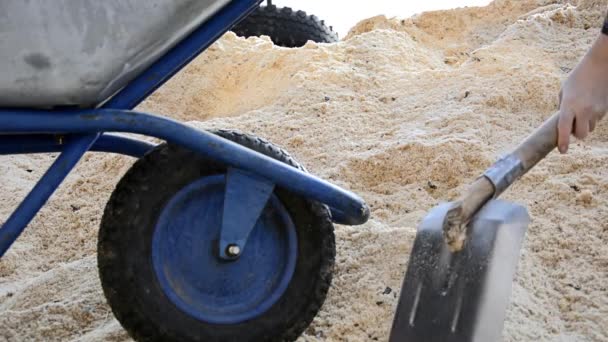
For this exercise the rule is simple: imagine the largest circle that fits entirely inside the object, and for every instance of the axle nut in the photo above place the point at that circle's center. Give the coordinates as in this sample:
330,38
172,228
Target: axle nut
233,250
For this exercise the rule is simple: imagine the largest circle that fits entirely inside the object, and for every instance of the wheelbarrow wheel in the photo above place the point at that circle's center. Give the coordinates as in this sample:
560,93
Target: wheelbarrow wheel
158,256
285,27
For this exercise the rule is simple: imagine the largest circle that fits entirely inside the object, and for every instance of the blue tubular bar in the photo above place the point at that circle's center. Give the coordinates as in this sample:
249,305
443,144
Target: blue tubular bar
351,209
121,145
45,187
182,53
48,143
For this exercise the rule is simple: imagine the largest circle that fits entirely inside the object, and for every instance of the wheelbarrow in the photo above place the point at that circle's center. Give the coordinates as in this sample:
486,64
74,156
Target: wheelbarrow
210,235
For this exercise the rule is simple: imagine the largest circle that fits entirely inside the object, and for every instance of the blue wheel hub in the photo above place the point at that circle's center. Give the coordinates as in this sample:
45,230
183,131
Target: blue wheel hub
186,259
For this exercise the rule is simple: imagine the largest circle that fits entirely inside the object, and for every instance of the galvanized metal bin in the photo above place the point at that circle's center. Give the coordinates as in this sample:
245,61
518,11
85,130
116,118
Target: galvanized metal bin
81,52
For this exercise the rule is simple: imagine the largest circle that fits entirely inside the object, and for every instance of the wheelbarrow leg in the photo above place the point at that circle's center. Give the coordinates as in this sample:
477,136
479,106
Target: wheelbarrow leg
45,187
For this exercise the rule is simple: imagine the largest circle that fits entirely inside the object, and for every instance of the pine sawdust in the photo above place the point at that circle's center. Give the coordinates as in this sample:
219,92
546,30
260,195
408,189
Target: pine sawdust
404,112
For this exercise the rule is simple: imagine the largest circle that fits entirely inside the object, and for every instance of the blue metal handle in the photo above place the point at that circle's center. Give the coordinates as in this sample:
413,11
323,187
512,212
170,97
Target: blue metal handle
352,209
48,143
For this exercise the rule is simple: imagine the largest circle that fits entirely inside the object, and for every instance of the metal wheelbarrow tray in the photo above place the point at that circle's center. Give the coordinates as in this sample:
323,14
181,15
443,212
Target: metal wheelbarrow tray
210,236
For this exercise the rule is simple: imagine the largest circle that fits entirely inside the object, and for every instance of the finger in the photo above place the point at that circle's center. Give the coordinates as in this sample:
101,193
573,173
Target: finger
592,125
564,129
581,128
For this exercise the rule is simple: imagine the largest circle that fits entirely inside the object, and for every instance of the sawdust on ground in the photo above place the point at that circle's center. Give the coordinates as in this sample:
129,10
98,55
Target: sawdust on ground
405,112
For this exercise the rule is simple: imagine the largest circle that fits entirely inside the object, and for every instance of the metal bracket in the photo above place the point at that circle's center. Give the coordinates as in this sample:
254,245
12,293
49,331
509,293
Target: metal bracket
504,172
245,199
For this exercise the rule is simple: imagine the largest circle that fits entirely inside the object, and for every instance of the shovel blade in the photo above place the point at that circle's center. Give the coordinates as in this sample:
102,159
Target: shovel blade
461,296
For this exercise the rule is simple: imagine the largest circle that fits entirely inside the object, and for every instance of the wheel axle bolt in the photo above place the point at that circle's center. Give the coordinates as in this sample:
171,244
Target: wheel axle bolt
233,250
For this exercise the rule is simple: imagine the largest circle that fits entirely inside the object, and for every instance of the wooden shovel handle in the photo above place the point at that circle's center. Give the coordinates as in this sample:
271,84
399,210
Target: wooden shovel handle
538,145
528,153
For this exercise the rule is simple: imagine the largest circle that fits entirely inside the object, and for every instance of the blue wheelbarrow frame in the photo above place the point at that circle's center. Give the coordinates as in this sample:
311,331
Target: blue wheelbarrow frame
73,132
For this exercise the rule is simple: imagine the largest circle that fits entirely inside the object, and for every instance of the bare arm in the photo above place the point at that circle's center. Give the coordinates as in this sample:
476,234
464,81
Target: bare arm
584,94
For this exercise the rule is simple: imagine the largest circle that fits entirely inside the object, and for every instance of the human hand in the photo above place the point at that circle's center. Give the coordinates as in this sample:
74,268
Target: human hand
584,95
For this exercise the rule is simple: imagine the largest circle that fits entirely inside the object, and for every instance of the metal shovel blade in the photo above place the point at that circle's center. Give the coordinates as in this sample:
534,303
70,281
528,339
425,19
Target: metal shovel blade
461,296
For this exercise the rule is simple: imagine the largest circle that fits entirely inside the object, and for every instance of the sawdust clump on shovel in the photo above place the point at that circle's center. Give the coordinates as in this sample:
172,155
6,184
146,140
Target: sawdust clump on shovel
404,112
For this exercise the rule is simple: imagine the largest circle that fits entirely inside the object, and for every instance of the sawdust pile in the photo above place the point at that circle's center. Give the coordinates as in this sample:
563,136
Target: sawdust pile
405,113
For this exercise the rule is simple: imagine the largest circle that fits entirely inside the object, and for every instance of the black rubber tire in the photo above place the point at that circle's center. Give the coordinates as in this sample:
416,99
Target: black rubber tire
285,27
124,252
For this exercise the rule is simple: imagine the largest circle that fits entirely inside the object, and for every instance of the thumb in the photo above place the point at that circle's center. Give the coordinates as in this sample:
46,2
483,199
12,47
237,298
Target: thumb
564,129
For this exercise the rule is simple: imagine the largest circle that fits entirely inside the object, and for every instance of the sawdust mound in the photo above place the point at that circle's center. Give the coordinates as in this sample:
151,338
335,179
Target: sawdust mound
405,112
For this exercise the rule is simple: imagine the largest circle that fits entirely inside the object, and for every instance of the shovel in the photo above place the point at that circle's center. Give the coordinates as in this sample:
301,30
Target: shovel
458,282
